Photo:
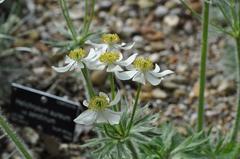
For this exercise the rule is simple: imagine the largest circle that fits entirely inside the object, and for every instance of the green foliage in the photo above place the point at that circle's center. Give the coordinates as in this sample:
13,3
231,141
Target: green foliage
172,145
8,25
5,126
116,142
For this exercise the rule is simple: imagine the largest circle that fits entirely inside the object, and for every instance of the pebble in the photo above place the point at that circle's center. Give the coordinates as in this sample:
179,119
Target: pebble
98,77
159,94
30,135
105,5
157,46
171,20
226,87
169,85
161,11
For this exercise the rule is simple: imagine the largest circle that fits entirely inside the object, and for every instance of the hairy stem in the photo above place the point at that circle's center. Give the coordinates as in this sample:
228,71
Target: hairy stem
89,13
68,20
113,89
236,124
134,107
88,82
204,48
13,136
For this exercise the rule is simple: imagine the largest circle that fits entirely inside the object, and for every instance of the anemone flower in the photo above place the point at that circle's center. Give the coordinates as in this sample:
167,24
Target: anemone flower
98,110
76,60
110,42
143,70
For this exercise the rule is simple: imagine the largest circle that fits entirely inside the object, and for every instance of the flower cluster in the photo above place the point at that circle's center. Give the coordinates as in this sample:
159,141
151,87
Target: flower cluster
108,56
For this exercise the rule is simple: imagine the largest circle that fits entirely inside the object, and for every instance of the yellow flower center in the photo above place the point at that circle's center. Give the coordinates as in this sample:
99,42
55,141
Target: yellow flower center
143,64
110,38
98,103
77,54
109,57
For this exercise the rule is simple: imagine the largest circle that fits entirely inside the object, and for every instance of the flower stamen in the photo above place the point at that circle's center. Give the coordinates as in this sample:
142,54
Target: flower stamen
109,57
110,38
77,54
143,64
98,103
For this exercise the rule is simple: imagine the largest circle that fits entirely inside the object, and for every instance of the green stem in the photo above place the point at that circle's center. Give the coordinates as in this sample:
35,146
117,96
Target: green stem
236,124
68,20
134,107
88,16
111,78
8,130
113,88
204,48
88,82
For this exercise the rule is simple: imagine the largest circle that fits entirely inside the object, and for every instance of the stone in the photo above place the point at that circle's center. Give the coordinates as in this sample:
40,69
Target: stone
30,135
98,77
161,11
226,87
159,94
171,20
157,46
105,5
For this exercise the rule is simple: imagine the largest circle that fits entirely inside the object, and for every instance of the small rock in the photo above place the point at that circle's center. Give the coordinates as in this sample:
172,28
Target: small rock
145,96
226,87
180,93
154,57
98,77
195,90
146,4
158,93
105,5
157,46
171,20
30,135
161,11
169,85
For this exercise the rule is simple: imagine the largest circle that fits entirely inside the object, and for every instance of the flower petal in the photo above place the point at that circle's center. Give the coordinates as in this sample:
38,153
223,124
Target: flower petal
163,73
90,55
98,47
157,68
126,75
116,99
95,66
124,46
129,60
152,79
109,116
114,68
139,77
85,103
88,117
68,60
66,68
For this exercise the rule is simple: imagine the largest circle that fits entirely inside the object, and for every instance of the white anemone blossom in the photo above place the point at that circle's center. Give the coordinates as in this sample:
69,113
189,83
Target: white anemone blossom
143,70
112,61
76,60
98,110
110,42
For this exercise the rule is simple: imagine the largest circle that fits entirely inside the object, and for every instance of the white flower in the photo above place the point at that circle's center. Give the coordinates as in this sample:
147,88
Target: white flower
112,61
142,70
98,111
110,42
76,60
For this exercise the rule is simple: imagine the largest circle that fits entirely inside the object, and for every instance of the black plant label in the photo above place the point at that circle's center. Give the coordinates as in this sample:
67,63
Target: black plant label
48,113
